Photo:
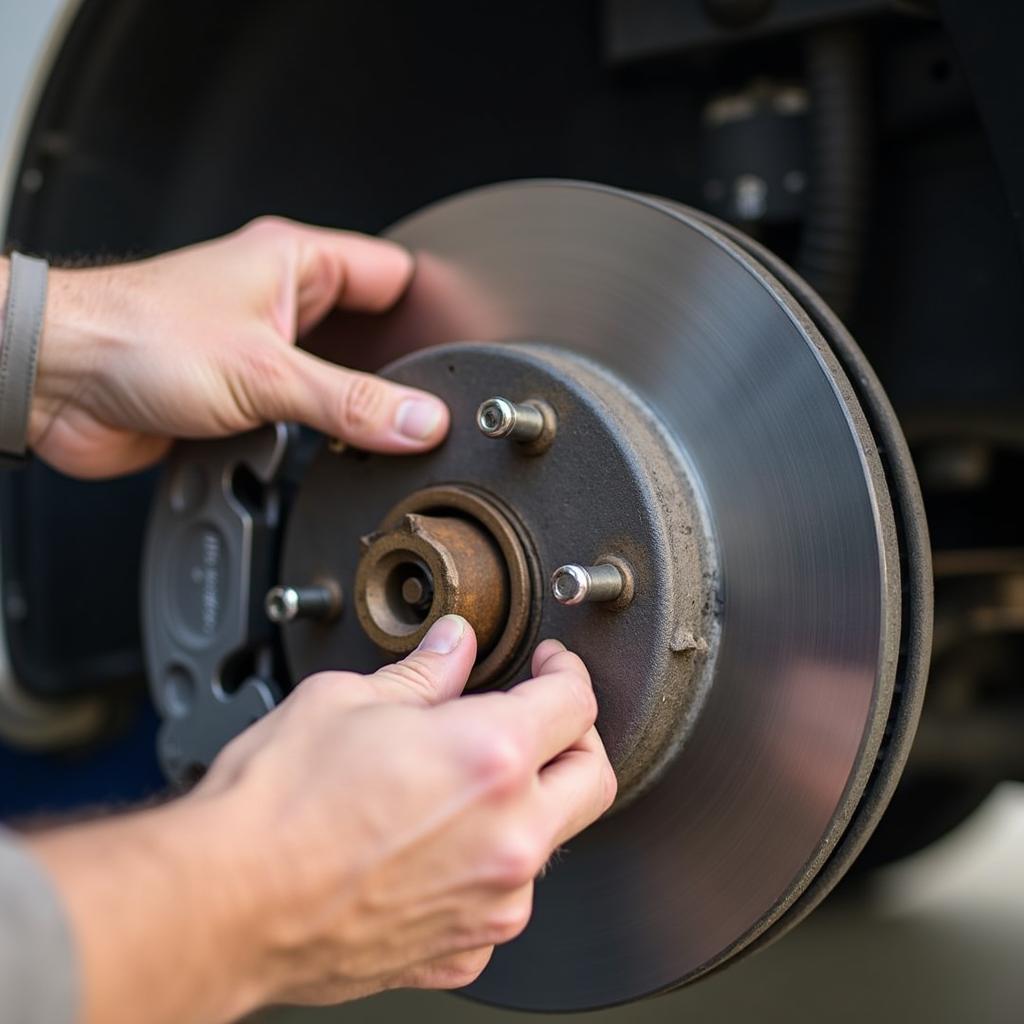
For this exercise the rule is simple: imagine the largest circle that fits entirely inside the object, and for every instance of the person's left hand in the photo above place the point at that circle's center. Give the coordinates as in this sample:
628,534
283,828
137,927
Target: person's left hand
200,343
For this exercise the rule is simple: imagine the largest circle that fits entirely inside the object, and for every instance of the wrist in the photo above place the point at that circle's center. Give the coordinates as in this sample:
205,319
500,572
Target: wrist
84,324
72,327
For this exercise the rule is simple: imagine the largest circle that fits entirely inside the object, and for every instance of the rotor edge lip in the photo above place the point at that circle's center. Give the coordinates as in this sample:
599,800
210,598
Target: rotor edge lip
914,551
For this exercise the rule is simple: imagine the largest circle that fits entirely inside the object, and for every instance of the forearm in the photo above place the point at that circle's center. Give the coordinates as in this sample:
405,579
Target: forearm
159,920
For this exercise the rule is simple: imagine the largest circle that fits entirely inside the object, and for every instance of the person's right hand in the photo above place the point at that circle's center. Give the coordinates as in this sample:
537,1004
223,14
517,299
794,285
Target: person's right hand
396,832
371,832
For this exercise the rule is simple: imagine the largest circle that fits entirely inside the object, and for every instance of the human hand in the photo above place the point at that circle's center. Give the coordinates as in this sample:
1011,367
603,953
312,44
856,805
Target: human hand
372,832
397,832
200,343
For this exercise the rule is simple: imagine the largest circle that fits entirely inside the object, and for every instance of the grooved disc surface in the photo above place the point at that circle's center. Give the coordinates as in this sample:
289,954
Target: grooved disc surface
809,587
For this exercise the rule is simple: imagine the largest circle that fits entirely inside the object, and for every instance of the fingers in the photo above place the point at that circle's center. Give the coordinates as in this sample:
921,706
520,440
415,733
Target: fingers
551,711
350,270
324,268
577,787
546,649
437,670
313,270
358,408
552,715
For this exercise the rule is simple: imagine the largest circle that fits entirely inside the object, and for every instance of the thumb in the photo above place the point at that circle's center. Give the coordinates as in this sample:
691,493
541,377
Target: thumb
437,670
358,408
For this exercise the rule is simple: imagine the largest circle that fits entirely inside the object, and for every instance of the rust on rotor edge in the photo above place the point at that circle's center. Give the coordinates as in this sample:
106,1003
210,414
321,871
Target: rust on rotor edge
477,563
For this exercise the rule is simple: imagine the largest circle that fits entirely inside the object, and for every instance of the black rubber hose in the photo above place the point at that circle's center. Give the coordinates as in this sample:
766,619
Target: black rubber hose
839,165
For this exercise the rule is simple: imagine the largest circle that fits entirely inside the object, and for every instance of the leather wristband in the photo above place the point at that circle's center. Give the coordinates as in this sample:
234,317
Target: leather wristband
19,350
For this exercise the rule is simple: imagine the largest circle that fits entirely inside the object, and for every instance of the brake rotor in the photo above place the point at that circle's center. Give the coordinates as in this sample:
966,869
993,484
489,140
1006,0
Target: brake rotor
813,609
720,438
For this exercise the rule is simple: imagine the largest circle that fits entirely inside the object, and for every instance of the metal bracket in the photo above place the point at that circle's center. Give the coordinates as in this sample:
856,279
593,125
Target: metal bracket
210,555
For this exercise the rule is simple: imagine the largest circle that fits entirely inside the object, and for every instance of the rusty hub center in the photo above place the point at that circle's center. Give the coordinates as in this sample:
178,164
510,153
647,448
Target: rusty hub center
446,550
427,567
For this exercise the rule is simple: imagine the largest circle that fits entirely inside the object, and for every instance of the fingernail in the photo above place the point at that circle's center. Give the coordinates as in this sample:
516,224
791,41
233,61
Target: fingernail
444,635
418,418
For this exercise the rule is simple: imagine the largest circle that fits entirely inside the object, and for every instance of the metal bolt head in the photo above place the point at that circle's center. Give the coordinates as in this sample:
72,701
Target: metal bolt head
530,424
570,584
281,604
574,584
318,601
496,417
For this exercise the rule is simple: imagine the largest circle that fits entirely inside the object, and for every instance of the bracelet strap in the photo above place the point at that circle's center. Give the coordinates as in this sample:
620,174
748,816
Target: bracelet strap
19,349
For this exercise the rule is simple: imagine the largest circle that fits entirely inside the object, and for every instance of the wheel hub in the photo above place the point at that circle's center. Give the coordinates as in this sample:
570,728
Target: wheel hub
607,486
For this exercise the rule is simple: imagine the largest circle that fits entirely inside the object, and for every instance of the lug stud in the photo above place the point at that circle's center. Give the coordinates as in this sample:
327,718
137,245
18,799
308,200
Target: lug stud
576,584
518,421
285,604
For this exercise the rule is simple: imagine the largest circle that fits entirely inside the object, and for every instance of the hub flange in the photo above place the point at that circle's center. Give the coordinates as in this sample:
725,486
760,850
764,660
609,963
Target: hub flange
482,524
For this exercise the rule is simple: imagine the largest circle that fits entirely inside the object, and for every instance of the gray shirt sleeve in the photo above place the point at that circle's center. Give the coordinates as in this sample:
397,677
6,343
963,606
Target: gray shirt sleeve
38,983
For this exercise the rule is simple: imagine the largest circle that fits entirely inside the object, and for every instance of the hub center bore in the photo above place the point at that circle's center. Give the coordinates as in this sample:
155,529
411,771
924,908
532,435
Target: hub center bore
443,551
426,567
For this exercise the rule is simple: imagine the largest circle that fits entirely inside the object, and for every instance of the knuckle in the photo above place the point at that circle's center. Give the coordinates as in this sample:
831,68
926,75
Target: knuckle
500,763
263,362
584,696
517,860
362,404
228,761
458,970
264,379
324,690
609,785
472,965
411,673
316,684
267,224
569,663
510,921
